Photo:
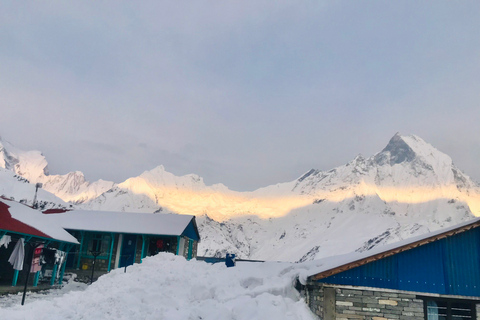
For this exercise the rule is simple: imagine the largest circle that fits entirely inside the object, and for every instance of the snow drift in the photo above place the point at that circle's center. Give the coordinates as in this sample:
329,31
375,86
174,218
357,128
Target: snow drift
168,287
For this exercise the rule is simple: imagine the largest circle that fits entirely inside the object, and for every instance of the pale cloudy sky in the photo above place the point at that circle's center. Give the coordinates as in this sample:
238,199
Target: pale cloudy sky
246,93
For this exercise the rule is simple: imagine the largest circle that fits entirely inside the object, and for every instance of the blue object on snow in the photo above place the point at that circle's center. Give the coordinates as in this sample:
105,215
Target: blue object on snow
230,260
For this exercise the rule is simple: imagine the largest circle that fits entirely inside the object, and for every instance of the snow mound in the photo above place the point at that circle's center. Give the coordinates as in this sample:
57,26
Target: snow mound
168,287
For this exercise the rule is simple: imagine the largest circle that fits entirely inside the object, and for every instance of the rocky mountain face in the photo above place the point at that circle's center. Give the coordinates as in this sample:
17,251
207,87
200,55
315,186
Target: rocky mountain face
407,189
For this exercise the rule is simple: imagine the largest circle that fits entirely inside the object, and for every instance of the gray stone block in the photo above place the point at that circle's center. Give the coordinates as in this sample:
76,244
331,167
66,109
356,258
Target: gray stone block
388,294
391,316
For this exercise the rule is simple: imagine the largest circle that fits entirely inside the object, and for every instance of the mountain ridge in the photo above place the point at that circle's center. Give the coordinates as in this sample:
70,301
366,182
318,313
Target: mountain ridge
406,189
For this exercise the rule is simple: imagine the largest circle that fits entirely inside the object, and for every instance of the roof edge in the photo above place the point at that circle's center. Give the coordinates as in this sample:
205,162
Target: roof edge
196,228
39,237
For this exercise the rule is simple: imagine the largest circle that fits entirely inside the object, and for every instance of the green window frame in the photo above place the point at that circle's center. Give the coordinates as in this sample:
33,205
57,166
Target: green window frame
97,242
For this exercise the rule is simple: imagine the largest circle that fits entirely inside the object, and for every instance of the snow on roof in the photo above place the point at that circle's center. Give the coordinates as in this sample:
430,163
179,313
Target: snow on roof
124,222
19,218
354,259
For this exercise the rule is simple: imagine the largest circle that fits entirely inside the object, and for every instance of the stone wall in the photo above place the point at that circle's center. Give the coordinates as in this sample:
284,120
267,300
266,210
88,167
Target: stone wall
138,249
344,303
195,249
185,247
314,297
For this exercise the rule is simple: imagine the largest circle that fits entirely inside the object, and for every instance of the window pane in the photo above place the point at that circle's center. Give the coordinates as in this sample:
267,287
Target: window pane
436,310
99,243
461,311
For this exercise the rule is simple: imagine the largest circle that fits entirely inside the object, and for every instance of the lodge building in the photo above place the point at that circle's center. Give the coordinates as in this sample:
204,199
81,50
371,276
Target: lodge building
108,240
435,276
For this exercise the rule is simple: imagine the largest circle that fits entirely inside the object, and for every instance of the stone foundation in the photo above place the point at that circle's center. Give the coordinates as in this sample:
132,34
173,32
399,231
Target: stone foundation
331,302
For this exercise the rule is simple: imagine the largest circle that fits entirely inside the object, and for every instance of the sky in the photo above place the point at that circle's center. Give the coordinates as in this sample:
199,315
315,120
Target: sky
245,93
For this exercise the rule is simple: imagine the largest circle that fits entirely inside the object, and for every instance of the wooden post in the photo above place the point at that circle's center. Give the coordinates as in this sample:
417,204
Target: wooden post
81,248
54,274
178,244
119,249
329,304
143,248
35,280
64,265
112,238
62,272
15,278
55,268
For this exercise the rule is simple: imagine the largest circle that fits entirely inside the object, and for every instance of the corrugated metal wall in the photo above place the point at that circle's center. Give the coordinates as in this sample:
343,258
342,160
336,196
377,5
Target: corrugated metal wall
463,263
422,267
447,266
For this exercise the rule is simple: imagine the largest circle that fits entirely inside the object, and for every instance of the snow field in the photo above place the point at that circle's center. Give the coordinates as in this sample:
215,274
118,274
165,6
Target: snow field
169,287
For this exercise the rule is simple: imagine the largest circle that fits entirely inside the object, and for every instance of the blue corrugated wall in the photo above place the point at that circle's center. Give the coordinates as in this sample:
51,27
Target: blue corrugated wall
447,266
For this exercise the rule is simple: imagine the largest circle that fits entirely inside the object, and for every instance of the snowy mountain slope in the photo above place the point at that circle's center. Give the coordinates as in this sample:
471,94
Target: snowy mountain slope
19,189
406,189
327,228
188,194
72,187
28,164
32,165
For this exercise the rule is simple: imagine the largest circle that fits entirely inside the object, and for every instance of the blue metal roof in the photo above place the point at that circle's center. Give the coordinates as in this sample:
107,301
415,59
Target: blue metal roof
447,266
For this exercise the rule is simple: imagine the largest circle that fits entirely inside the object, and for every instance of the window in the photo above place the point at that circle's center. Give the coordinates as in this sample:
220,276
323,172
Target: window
162,244
449,309
98,242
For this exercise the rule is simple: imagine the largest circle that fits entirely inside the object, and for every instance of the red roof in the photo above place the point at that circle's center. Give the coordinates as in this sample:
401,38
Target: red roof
49,211
8,223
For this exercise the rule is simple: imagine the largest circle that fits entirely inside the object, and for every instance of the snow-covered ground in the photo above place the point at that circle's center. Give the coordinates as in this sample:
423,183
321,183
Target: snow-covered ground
12,300
169,287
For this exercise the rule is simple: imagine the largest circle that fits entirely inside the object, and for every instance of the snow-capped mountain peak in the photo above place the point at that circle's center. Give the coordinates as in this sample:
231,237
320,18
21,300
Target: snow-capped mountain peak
416,156
406,189
32,165
396,152
28,164
160,177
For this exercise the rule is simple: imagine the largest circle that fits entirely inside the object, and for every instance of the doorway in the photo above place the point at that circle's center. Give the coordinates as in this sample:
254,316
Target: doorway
128,252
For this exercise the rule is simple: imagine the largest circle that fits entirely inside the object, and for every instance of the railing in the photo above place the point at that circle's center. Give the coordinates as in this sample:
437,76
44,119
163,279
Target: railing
219,260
